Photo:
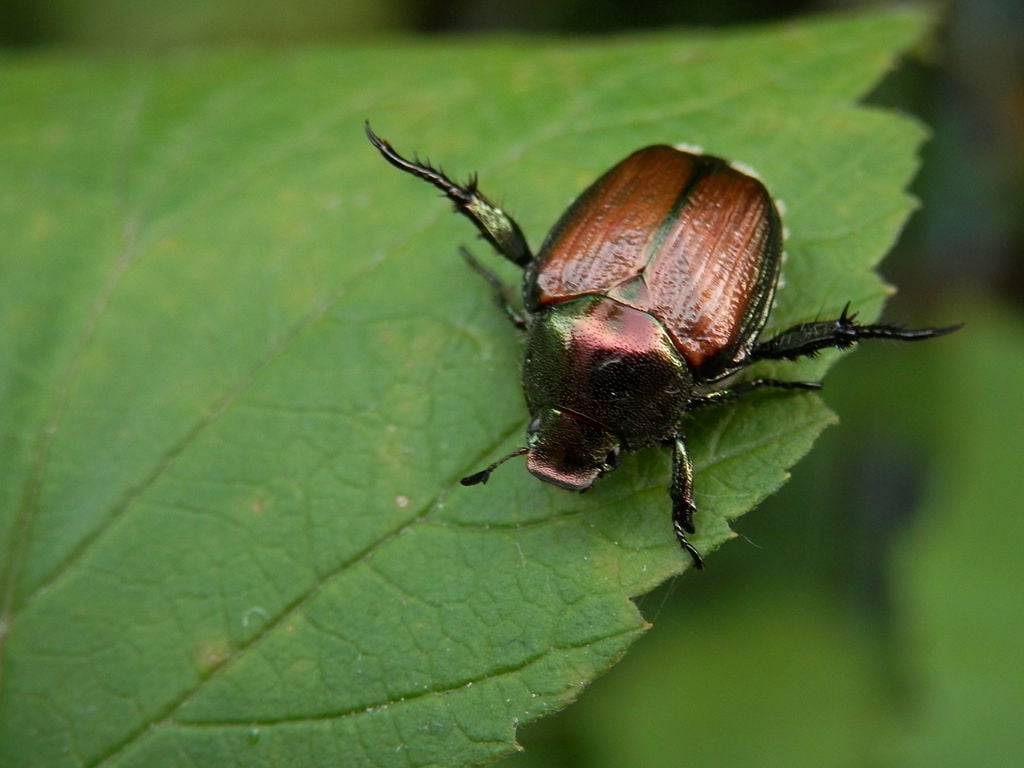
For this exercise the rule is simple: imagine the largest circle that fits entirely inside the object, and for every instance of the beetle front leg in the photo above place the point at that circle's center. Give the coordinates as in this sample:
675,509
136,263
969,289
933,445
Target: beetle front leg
501,296
681,492
842,333
496,226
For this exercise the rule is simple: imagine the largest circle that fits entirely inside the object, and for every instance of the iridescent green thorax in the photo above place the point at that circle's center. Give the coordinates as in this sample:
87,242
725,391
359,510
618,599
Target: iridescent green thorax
609,363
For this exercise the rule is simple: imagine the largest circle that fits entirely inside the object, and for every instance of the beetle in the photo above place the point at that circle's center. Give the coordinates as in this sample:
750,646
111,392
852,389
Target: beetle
646,297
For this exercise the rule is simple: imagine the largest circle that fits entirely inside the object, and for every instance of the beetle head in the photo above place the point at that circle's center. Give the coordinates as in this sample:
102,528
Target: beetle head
570,450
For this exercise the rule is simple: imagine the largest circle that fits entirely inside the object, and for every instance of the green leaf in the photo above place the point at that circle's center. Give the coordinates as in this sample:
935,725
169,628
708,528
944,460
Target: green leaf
243,370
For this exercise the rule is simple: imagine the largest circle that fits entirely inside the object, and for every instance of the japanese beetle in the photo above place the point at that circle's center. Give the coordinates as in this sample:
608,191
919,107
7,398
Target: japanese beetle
647,295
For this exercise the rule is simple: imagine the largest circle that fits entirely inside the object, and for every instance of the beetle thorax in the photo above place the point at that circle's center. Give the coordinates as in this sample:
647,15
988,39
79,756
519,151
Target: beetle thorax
613,365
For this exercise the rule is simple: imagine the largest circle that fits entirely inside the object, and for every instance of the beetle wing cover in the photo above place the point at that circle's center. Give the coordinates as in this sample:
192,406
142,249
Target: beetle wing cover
712,278
686,237
607,235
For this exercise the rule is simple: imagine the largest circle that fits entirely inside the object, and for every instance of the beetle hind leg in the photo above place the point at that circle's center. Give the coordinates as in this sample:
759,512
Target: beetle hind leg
501,292
681,491
496,226
809,338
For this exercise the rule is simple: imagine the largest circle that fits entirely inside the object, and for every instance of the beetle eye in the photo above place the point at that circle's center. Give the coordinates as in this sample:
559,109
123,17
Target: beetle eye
611,461
533,426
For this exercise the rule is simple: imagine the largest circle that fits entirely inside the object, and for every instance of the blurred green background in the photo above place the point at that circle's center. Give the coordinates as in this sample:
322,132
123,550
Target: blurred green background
868,614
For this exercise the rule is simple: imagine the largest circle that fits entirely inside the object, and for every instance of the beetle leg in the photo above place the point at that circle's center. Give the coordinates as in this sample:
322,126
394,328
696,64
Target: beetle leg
681,491
809,338
724,395
496,226
501,296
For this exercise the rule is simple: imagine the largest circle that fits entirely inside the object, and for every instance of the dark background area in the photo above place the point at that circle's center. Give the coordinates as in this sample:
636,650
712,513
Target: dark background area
836,530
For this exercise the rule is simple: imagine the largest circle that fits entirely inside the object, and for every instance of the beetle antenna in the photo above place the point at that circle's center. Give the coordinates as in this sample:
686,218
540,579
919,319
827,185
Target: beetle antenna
484,474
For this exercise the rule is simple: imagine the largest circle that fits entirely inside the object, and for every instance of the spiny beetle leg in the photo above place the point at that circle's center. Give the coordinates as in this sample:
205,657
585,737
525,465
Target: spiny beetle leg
496,226
809,338
500,290
681,491
725,395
